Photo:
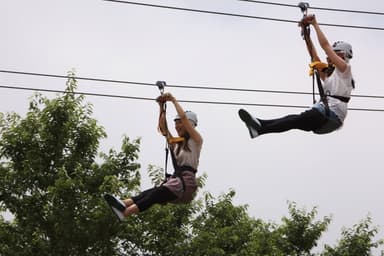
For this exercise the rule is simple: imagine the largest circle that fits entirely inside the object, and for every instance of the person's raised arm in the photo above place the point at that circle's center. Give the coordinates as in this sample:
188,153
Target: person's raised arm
339,62
195,135
308,41
162,125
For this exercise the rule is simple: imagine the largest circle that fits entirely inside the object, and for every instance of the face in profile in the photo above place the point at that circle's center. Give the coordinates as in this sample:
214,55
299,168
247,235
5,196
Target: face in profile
180,129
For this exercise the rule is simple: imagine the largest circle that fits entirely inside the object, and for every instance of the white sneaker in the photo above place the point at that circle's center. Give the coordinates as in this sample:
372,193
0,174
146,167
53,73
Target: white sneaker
118,213
253,124
117,206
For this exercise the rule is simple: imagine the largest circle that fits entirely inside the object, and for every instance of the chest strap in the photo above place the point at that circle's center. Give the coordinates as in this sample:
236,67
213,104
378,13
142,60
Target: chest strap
341,98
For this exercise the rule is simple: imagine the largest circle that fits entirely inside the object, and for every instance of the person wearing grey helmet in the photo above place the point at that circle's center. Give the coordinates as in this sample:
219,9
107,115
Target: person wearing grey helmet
328,114
182,185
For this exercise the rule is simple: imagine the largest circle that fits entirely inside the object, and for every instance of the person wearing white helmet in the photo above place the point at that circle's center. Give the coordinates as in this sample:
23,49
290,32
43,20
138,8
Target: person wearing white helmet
191,116
327,115
182,185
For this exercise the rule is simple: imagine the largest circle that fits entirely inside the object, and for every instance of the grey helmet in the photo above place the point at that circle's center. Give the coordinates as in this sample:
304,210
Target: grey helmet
343,47
191,116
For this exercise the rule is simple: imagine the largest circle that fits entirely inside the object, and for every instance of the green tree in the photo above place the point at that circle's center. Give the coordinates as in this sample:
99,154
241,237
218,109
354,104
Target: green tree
356,241
299,234
221,228
52,179
52,184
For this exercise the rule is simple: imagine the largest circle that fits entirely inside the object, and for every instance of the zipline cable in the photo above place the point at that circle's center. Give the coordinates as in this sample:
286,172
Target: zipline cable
237,15
186,101
172,86
316,8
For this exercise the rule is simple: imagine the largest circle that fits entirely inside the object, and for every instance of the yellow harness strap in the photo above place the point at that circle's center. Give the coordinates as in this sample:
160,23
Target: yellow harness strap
317,65
174,140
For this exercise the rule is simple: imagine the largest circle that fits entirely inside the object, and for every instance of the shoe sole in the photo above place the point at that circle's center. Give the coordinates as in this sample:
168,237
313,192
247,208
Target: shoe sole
248,119
251,124
116,207
112,201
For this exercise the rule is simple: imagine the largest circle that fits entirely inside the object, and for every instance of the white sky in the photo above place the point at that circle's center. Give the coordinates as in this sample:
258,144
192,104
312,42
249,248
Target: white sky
340,173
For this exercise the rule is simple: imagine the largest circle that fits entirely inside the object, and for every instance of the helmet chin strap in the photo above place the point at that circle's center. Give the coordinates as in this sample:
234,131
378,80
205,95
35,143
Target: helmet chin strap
344,56
192,123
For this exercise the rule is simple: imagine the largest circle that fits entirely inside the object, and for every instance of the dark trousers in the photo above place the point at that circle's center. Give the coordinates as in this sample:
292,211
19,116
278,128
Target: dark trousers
308,120
156,195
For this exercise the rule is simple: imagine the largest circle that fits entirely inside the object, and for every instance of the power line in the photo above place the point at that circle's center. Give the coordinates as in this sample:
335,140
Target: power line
175,86
199,11
78,93
186,101
316,8
238,15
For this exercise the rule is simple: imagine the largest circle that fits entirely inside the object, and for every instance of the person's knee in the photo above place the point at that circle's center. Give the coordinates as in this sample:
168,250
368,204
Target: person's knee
311,120
159,195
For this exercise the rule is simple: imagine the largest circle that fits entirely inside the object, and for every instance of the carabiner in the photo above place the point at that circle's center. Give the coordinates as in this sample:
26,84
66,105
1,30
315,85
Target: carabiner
161,85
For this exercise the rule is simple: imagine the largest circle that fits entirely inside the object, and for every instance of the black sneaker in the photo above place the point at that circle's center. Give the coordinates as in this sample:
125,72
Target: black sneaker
117,206
253,124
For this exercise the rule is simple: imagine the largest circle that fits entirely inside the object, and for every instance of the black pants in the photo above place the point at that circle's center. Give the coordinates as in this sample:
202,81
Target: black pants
309,120
156,195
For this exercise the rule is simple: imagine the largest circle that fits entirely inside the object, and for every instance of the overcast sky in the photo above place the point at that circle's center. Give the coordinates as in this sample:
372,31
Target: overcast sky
340,173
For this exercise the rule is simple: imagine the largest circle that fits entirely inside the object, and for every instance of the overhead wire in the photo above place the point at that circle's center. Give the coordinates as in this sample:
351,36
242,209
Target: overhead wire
76,92
198,87
185,101
173,85
315,8
199,11
237,15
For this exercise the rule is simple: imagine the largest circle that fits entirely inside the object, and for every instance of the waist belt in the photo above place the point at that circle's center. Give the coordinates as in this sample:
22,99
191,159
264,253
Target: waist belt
179,173
183,168
341,98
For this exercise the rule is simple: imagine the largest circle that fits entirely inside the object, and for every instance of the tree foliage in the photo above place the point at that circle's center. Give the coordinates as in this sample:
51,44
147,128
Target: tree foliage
358,240
52,180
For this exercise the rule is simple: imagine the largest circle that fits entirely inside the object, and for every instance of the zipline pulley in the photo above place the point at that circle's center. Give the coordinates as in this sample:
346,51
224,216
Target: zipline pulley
305,31
304,8
161,85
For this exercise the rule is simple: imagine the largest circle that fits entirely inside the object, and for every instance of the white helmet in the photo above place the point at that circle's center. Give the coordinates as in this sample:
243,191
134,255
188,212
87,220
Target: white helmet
344,47
191,116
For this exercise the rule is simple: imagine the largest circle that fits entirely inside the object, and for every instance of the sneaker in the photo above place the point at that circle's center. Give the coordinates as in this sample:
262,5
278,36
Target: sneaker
117,206
253,124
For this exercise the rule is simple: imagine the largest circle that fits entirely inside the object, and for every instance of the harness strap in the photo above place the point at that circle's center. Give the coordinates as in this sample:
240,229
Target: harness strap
166,174
164,132
323,97
180,169
169,139
341,98
185,168
306,35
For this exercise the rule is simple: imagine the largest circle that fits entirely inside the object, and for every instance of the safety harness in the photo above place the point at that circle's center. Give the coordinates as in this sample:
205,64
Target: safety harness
317,66
170,142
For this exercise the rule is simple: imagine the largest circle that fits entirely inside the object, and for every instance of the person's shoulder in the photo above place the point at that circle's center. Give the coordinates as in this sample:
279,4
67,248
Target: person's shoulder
346,72
198,142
